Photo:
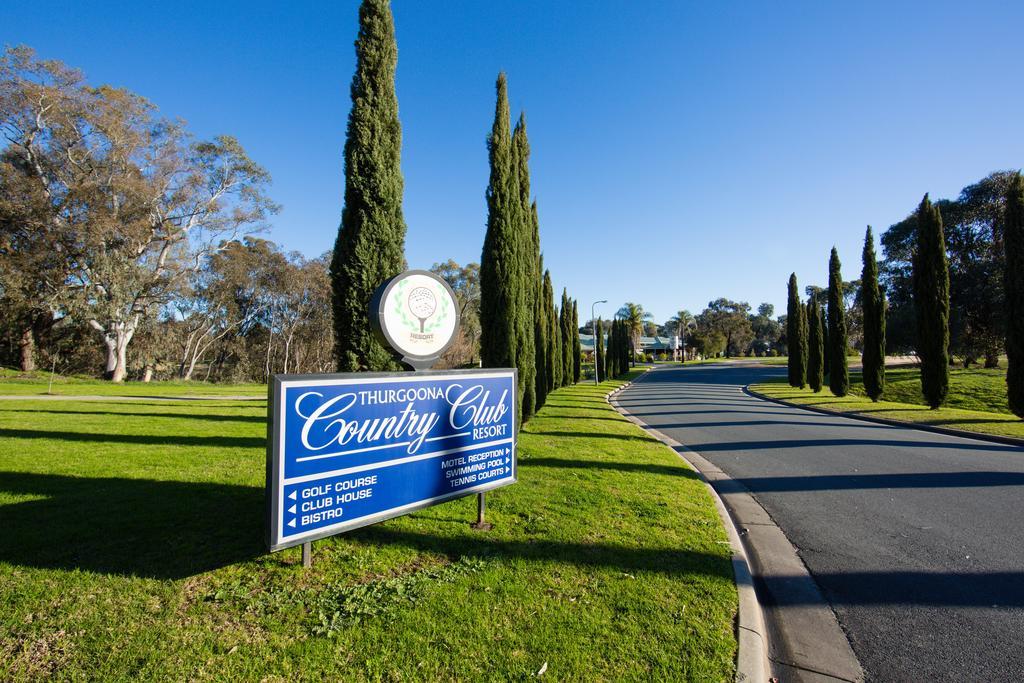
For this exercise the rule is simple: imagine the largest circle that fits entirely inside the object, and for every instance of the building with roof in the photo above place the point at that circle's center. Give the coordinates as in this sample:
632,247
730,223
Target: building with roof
670,347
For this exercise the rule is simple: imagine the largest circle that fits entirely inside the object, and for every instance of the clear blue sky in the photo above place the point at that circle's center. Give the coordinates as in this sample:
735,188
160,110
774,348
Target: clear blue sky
681,151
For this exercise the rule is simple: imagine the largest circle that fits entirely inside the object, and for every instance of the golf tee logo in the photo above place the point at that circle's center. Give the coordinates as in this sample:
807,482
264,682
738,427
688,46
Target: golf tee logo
417,315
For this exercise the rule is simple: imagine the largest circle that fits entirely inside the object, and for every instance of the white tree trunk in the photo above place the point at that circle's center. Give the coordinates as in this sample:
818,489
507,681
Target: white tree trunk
116,338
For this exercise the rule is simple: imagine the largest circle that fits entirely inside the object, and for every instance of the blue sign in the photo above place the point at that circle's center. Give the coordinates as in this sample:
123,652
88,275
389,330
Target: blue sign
345,451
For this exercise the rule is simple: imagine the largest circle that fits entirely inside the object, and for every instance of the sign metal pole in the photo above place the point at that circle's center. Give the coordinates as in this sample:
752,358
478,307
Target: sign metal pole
307,554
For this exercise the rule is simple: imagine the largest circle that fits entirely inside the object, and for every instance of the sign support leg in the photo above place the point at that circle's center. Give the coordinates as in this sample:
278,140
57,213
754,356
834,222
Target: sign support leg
481,508
307,554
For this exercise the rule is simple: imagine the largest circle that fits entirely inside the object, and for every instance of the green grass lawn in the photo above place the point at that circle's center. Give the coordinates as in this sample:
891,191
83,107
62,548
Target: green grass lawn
16,383
977,400
773,360
132,548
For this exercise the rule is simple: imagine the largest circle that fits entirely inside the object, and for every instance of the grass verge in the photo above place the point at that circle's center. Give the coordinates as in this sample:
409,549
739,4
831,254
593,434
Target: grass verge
132,549
977,400
14,383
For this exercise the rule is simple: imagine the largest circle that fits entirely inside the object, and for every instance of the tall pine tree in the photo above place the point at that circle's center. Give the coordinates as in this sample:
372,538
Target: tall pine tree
873,303
815,346
615,345
839,373
565,328
795,339
502,291
554,367
931,302
599,367
529,237
610,352
541,337
1013,282
370,247
577,350
626,346
824,335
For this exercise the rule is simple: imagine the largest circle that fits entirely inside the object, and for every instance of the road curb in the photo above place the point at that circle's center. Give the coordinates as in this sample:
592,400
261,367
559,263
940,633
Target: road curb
946,431
752,663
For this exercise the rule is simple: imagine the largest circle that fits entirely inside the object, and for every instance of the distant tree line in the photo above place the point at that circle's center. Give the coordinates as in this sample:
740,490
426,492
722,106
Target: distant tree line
950,290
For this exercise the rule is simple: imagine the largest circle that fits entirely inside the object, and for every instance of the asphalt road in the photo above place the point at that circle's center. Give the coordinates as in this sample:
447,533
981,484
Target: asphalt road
916,539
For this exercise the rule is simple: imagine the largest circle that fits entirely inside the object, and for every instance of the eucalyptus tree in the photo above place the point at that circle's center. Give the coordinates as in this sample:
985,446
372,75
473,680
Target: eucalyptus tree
131,203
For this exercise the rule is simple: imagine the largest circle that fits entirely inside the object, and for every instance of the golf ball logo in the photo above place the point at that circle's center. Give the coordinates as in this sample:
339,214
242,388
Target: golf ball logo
417,315
422,304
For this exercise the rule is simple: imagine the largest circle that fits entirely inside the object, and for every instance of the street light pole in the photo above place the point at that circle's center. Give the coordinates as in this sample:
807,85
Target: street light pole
593,328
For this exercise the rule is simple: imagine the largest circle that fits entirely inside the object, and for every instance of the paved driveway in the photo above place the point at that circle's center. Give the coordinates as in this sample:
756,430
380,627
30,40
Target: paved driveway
916,539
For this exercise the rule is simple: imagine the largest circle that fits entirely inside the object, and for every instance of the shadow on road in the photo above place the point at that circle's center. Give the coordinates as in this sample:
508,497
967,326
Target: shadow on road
919,588
924,480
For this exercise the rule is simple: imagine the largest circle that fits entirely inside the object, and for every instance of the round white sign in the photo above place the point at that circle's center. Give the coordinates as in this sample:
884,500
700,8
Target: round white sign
417,314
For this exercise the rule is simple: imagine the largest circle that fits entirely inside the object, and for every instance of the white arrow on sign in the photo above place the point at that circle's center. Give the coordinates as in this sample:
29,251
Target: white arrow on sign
292,524
291,496
292,509
507,469
507,451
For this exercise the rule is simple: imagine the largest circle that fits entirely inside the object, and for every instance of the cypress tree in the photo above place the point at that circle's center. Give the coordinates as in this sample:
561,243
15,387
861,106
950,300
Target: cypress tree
1013,282
529,247
621,349
501,288
839,373
620,344
541,341
815,346
599,367
804,342
931,301
565,328
873,303
370,247
553,357
795,339
611,354
577,351
627,344
824,340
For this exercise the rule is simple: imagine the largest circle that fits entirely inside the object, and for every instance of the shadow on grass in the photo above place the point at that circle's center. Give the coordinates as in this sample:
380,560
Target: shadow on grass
589,435
132,527
543,415
664,560
669,470
140,439
212,417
